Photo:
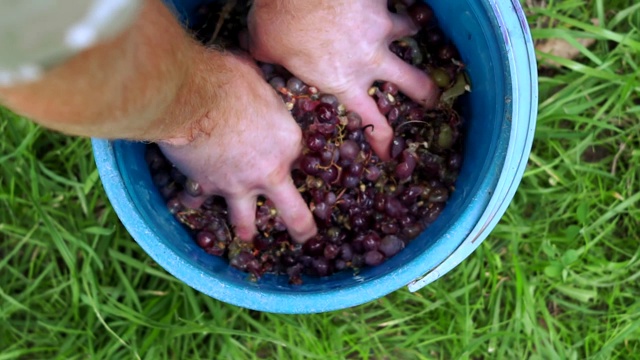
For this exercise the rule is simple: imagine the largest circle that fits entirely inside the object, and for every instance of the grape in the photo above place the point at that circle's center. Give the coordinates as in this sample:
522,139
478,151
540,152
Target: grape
397,146
390,88
296,86
310,165
384,105
359,222
329,99
357,136
371,241
354,122
373,258
373,173
193,188
174,205
356,169
277,83
346,252
447,52
349,150
241,260
262,242
350,181
322,211
389,227
445,137
435,37
420,13
391,245
205,239
393,207
329,175
331,251
315,142
327,114
393,115
455,161
314,246
321,267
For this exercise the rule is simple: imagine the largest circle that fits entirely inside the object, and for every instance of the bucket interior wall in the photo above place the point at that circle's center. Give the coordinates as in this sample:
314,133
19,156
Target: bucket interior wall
481,45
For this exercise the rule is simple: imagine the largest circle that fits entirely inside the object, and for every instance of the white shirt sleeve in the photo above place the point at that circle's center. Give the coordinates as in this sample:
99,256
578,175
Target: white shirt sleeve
38,34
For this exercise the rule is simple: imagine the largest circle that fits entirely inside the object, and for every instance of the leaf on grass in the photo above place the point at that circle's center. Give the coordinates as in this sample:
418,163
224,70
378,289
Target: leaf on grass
582,295
554,270
562,48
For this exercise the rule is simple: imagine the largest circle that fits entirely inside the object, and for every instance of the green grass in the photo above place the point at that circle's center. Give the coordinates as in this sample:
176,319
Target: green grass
557,279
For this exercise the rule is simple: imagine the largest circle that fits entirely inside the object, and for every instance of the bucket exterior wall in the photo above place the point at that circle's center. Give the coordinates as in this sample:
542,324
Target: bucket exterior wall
500,112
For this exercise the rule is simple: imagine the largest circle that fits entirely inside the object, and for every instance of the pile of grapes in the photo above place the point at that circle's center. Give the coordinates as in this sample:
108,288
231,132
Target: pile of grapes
366,210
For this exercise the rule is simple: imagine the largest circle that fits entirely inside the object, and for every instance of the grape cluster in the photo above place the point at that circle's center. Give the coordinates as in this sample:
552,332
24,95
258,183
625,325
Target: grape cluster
366,210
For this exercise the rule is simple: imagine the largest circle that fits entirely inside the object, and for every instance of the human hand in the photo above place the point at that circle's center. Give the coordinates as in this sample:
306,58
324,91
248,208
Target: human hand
242,148
341,48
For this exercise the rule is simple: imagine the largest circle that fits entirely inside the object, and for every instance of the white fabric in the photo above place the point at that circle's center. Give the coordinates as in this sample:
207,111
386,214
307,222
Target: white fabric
38,34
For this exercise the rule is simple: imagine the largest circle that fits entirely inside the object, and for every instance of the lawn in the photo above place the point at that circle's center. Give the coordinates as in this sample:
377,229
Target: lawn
557,278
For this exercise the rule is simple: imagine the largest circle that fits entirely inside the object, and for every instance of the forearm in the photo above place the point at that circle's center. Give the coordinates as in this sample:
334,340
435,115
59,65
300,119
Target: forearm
145,83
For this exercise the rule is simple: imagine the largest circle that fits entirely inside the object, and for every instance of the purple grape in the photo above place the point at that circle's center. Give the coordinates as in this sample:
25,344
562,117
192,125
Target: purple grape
354,122
371,241
296,86
384,105
349,150
346,252
373,258
356,169
277,83
315,142
327,114
350,181
241,260
329,175
389,227
391,245
321,267
262,242
205,239
420,13
390,88
357,136
314,247
394,208
193,188
372,173
397,146
310,165
174,205
358,222
329,99
323,211
331,251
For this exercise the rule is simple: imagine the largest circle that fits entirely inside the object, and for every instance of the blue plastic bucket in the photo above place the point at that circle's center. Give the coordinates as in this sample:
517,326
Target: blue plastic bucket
495,43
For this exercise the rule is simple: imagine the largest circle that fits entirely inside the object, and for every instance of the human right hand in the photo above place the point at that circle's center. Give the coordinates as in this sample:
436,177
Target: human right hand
341,47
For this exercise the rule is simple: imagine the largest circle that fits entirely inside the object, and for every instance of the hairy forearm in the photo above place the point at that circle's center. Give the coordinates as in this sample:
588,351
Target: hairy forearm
147,83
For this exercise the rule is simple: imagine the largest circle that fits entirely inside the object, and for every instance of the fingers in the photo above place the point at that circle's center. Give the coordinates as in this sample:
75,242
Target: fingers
412,81
380,133
242,215
293,211
402,26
